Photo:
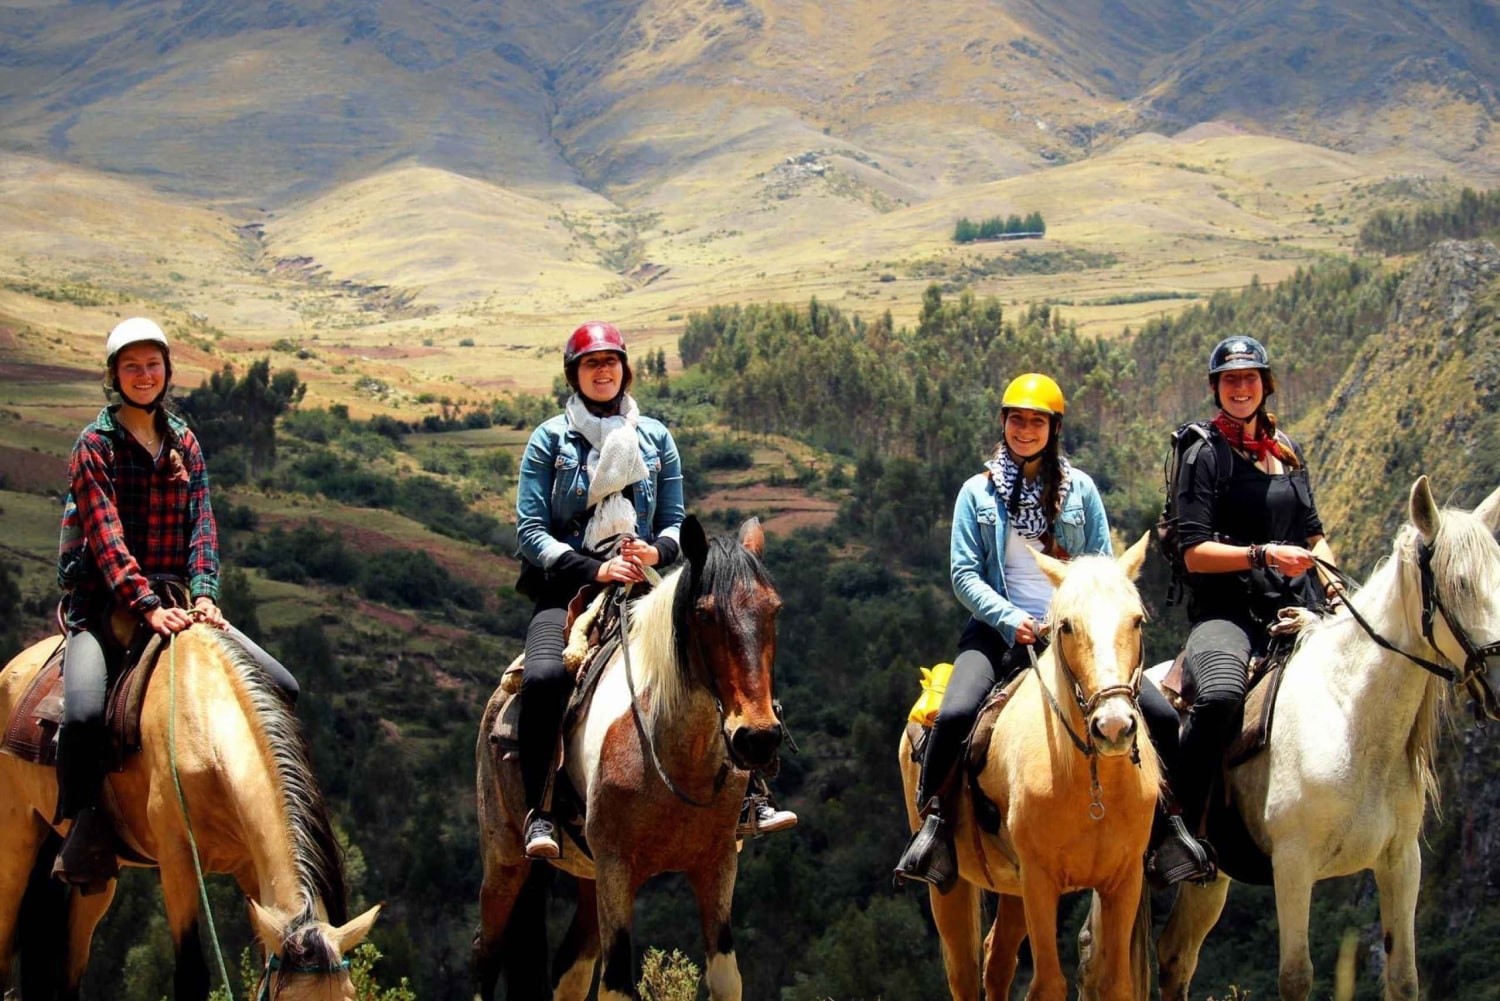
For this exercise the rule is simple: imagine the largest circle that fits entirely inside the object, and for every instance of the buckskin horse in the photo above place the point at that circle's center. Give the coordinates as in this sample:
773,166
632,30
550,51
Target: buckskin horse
1345,780
212,720
660,760
1075,804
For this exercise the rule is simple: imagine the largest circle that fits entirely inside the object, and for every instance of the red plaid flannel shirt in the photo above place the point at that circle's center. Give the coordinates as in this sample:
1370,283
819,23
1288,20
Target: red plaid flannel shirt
128,516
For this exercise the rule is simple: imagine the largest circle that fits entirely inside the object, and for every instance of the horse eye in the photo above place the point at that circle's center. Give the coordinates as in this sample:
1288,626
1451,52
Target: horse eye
1066,625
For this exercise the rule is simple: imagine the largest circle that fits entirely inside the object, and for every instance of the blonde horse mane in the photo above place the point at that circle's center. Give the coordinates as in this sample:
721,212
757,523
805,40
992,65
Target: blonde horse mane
315,851
654,648
1093,584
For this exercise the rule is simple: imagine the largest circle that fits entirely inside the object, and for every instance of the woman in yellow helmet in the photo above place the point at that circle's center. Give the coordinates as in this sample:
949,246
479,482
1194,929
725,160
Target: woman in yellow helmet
1028,497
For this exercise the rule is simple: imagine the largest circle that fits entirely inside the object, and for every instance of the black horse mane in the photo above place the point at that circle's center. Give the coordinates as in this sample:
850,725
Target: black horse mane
728,568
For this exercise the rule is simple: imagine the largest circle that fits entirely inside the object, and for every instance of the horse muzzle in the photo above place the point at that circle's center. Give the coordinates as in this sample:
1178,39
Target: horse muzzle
1114,727
753,748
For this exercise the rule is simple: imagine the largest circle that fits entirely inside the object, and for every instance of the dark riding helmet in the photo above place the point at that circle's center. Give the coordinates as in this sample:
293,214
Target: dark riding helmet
596,335
1237,352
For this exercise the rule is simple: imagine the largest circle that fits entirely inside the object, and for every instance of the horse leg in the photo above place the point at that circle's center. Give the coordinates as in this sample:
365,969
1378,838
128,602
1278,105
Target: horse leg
512,935
713,886
1002,945
956,914
578,955
616,889
35,913
84,915
1193,916
1119,905
1294,882
1041,896
1398,874
179,889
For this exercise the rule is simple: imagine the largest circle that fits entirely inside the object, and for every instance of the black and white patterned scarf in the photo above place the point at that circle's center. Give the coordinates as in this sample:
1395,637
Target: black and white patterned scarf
1023,497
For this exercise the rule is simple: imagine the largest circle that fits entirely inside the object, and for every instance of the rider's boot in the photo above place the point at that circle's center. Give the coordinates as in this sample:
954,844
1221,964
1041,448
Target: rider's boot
88,857
929,856
1174,855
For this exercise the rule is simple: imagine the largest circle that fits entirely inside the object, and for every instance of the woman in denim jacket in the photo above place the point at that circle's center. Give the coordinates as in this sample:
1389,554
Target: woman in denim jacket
1028,497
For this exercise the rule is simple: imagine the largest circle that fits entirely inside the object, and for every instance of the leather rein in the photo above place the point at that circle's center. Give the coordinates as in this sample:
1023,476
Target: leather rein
1471,676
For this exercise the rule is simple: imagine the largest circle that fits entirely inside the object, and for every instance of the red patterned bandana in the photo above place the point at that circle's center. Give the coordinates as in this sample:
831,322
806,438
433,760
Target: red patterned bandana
1260,446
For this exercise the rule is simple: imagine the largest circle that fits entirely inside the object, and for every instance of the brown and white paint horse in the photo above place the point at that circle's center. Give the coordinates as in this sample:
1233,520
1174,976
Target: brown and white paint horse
702,647
1069,820
256,814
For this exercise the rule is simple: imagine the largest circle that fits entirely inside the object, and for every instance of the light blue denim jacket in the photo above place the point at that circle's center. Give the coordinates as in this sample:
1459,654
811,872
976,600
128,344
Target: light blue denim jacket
554,489
977,554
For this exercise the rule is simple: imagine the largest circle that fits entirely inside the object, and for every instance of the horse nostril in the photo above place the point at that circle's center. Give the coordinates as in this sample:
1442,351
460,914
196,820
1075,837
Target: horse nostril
756,745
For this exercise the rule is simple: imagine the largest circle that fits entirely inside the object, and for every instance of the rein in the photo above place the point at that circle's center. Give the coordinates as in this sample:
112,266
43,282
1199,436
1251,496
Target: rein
1086,707
1481,696
640,726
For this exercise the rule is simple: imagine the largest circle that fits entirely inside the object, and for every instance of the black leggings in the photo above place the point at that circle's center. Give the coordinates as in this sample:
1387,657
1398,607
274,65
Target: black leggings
984,660
1216,668
546,685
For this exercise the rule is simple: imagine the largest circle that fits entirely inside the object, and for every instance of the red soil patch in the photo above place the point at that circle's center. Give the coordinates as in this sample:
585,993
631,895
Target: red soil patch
24,470
26,373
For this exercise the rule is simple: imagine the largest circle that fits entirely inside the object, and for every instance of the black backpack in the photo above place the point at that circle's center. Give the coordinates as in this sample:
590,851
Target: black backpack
1188,441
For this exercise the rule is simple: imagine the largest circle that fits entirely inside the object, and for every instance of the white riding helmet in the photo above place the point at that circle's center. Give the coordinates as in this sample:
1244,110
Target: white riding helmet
133,331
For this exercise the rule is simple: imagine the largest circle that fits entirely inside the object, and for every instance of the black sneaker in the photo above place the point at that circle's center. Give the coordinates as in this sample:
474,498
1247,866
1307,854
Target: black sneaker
929,856
541,836
759,817
1179,857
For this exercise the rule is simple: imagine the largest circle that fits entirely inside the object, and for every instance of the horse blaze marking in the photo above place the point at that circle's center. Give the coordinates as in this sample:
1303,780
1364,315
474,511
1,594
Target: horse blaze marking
617,965
725,945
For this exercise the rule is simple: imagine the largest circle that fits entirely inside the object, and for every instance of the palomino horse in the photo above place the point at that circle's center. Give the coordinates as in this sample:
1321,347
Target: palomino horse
256,814
1070,817
1345,781
660,760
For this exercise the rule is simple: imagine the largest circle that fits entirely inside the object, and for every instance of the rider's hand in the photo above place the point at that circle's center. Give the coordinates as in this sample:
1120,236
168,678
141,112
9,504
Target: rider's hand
205,607
1290,560
166,621
641,553
1028,631
619,570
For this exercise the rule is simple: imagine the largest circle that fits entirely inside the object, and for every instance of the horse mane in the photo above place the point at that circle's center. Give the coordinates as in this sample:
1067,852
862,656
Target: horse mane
315,850
1091,581
662,622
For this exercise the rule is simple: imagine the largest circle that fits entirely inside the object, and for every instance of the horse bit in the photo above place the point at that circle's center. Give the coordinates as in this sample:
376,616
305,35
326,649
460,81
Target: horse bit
1086,707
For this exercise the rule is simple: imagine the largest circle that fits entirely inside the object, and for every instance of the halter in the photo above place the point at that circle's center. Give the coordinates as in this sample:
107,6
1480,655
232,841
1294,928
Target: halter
1087,707
1472,676
275,963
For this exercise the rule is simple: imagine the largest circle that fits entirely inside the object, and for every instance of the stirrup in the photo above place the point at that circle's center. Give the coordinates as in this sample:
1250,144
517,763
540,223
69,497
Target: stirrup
88,858
929,856
758,817
1179,857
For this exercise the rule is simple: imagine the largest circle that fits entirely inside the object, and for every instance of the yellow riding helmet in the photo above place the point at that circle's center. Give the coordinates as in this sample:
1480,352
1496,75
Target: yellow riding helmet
1034,391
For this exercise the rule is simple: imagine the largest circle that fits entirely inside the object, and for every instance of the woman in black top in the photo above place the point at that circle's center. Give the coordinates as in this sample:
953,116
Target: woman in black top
1249,537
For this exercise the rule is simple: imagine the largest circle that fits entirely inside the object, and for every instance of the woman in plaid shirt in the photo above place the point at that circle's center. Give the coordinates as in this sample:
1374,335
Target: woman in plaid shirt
138,507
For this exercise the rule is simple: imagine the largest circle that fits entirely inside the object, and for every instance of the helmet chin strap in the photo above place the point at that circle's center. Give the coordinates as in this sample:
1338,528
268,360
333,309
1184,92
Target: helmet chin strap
150,408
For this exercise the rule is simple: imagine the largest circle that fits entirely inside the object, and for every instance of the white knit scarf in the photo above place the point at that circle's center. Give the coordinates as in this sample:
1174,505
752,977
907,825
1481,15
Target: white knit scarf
1030,521
614,462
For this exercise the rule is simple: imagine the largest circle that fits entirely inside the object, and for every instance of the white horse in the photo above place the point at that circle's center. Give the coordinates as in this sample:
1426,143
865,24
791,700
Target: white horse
1345,782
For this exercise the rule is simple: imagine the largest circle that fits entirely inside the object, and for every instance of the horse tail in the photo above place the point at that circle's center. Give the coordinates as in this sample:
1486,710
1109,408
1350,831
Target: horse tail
42,928
523,946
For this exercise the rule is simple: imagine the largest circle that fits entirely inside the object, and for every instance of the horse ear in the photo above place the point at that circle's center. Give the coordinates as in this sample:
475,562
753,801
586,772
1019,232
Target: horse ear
270,927
694,543
1424,511
1488,511
1054,570
349,935
752,538
1134,557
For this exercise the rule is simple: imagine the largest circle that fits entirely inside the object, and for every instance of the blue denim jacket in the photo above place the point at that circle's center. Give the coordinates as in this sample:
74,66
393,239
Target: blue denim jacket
554,489
977,554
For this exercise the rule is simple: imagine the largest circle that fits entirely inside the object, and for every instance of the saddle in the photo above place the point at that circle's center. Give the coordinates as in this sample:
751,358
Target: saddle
1260,699
32,732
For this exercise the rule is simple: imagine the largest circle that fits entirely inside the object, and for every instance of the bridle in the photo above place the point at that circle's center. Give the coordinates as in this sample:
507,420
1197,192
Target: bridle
276,964
1087,706
1472,677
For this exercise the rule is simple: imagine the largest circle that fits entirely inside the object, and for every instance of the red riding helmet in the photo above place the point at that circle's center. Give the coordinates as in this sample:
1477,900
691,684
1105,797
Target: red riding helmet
596,335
